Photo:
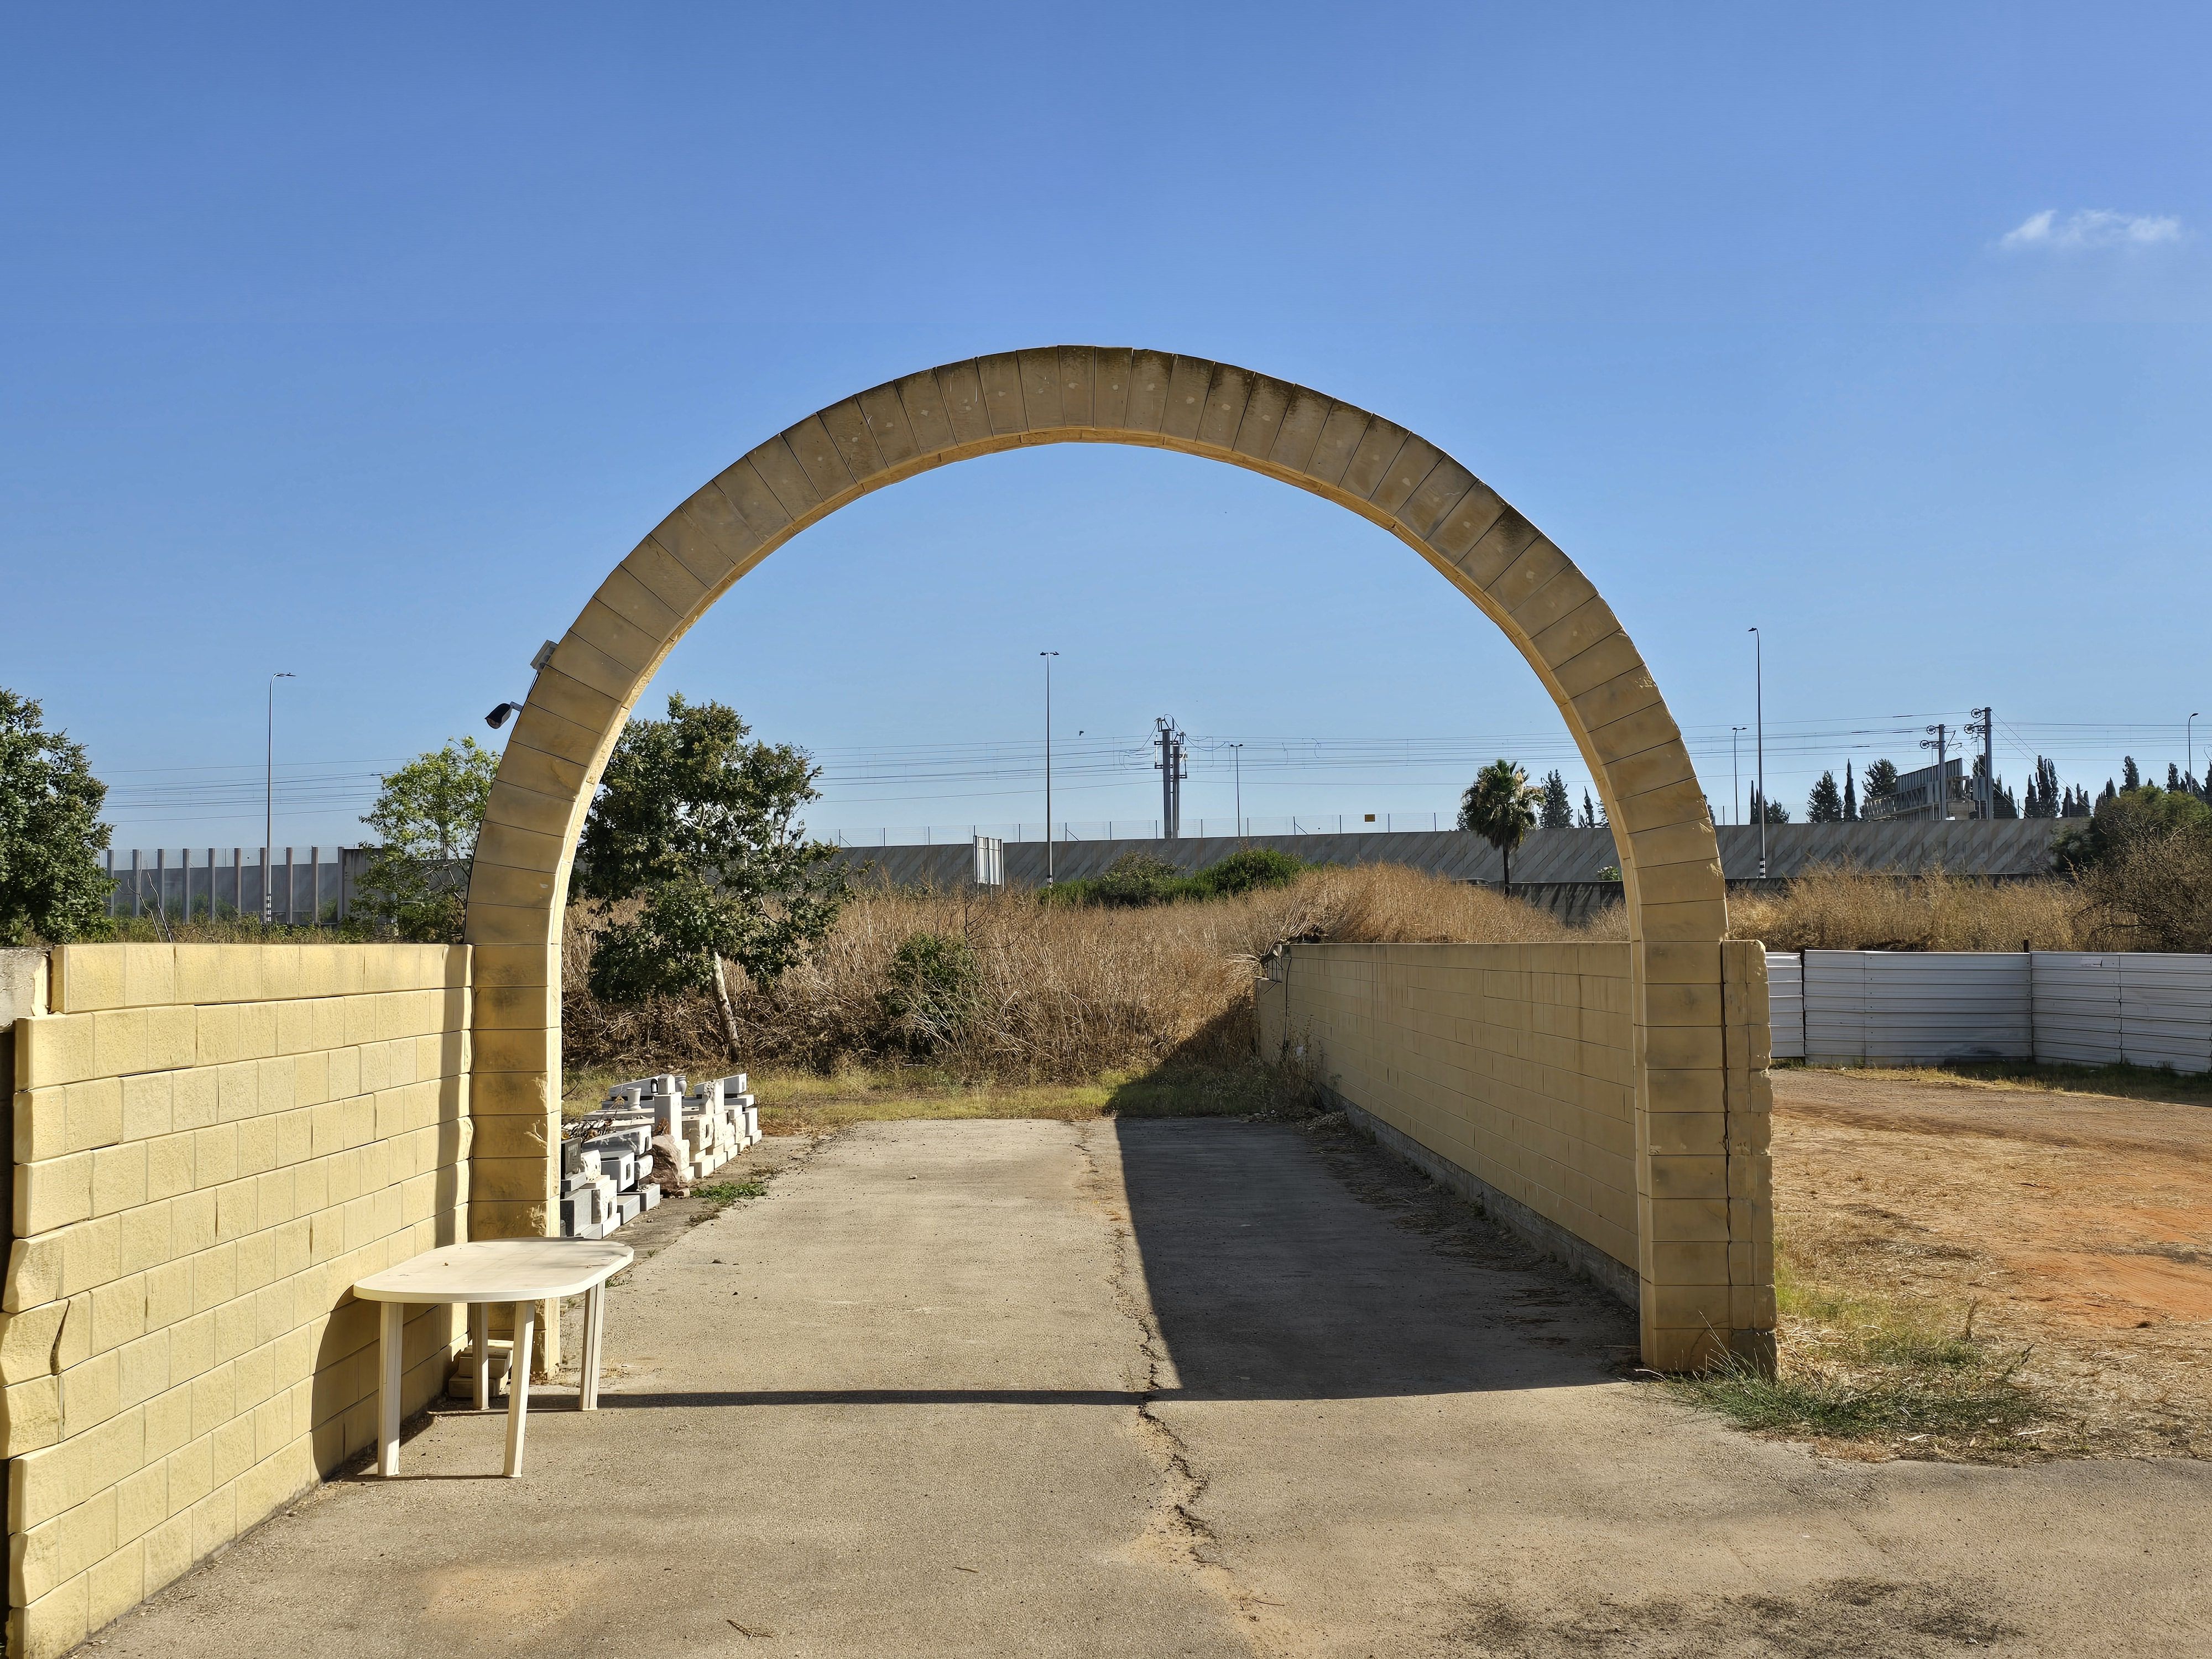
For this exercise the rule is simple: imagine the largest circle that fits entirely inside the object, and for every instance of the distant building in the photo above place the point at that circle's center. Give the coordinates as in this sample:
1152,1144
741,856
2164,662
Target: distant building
1915,795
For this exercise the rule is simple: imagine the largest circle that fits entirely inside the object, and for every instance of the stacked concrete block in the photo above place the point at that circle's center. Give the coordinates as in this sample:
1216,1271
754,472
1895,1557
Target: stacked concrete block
606,1160
212,1143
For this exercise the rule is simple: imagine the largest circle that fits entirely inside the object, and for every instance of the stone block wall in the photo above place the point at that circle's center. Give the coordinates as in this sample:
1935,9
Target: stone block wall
212,1143
1515,1062
1512,1073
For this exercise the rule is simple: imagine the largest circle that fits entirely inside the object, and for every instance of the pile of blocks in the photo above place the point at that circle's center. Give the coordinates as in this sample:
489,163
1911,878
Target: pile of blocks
717,1122
607,1158
606,1173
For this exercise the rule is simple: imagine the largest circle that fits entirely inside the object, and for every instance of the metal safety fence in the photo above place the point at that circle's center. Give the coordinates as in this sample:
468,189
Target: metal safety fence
1919,1007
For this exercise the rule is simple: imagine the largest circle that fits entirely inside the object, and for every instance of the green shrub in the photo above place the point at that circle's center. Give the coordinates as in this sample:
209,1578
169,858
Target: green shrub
2147,813
1136,880
1243,870
933,994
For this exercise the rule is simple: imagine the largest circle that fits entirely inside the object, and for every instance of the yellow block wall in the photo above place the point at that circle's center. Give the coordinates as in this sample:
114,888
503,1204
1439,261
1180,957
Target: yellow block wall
212,1143
1515,1061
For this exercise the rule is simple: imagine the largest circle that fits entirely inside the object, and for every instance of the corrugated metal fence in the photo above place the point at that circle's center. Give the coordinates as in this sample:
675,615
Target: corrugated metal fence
1914,1007
308,885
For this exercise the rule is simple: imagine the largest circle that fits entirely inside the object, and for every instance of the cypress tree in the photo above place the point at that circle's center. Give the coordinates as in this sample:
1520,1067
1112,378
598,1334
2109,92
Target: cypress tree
2130,777
1850,796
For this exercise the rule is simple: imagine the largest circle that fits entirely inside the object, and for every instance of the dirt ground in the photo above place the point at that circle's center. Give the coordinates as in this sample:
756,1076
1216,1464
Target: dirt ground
2077,1226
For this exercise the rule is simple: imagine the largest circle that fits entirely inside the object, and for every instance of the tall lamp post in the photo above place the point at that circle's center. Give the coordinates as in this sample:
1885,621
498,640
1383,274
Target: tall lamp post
268,822
1047,656
1759,705
1735,774
1236,760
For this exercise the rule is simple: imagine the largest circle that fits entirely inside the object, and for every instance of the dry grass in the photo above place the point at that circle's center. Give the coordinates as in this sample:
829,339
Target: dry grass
2043,1077
1843,907
1065,993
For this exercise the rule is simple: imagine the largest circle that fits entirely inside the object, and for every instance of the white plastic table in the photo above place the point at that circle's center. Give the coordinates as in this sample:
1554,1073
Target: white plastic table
521,1270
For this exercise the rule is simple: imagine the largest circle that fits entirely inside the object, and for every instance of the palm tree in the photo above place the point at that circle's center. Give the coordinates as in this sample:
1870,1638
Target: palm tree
1500,805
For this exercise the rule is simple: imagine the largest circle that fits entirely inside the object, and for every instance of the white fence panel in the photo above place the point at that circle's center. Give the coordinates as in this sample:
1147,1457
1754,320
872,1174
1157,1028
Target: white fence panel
2077,1006
1834,990
1785,1003
1926,1006
2165,1010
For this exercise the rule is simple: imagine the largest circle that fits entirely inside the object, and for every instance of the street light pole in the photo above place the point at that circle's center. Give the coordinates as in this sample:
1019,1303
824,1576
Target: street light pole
1236,760
1047,656
1759,704
268,822
1735,774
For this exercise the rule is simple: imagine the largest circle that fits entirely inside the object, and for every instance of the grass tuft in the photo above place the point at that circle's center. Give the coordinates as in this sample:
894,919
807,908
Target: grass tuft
725,1193
1859,1365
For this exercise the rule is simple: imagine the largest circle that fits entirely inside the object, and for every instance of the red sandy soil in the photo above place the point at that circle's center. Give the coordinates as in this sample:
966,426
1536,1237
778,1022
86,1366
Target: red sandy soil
2080,1225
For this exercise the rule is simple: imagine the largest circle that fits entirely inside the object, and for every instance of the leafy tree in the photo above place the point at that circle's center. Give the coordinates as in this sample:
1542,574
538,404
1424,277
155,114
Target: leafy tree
703,828
2173,779
50,885
1825,804
2142,815
1558,812
1880,784
1773,810
1850,796
427,817
2130,776
1500,805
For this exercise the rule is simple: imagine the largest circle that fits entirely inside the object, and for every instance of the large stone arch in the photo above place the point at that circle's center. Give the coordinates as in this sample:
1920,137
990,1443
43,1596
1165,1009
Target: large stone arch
1702,1199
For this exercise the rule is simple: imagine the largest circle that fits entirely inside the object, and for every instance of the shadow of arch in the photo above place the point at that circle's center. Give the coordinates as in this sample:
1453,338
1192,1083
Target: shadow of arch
583,694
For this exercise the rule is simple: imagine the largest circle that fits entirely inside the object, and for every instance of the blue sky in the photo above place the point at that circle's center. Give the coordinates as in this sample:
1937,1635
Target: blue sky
361,345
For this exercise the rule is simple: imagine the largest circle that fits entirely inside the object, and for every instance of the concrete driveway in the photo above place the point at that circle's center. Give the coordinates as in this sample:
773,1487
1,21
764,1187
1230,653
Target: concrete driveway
1165,1389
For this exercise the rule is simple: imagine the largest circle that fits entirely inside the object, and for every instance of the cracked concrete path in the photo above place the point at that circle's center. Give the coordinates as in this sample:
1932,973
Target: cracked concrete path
1163,1388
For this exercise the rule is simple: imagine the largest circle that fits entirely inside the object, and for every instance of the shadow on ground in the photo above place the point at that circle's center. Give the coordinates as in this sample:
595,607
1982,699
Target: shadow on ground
1269,1279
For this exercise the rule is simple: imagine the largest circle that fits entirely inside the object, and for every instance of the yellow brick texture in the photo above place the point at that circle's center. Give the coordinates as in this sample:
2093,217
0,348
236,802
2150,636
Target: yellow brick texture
212,1143
1524,1064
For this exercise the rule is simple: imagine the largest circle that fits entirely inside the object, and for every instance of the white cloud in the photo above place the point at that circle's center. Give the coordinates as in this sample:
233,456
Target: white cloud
2086,227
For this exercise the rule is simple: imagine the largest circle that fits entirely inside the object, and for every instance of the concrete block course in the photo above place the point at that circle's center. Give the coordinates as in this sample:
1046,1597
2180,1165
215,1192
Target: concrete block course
212,1143
1598,1097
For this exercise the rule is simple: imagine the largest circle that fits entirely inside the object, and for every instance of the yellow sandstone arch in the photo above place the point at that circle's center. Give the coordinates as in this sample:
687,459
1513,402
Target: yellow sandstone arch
1703,1190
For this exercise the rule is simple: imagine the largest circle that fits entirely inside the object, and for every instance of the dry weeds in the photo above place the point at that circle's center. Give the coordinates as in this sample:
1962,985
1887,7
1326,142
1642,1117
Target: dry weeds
1064,993
1845,908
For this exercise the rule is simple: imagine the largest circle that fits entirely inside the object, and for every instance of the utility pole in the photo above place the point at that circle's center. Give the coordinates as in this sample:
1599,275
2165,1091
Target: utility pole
269,824
1174,767
1735,776
1236,760
1985,796
1942,792
1759,704
1047,656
